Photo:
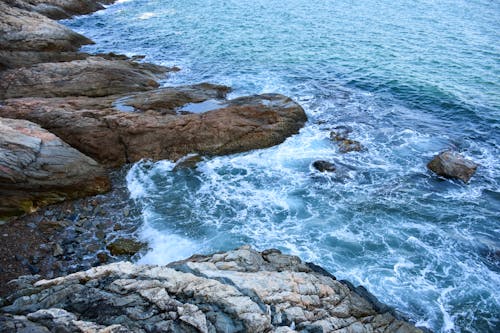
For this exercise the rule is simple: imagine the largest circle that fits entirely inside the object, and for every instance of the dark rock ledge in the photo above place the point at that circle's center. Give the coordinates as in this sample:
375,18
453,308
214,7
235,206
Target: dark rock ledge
236,291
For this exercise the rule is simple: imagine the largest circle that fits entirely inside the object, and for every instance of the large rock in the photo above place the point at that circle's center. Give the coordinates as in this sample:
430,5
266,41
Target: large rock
450,164
22,30
237,291
37,168
93,76
61,9
114,137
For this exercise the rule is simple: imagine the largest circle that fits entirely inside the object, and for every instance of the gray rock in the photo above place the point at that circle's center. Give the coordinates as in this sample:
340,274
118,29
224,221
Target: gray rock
37,168
22,30
241,290
451,164
324,166
92,76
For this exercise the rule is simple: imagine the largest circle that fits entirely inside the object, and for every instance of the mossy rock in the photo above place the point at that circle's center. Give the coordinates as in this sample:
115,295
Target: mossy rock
125,246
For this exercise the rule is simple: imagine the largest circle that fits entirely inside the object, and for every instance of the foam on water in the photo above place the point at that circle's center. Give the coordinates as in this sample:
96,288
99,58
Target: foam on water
407,82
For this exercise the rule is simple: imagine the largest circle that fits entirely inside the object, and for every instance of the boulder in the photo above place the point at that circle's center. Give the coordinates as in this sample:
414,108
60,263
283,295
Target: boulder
236,291
22,30
113,137
126,246
37,168
93,77
450,164
324,166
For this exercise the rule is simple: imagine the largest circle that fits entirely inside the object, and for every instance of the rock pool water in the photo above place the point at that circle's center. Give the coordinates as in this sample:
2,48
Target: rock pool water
411,78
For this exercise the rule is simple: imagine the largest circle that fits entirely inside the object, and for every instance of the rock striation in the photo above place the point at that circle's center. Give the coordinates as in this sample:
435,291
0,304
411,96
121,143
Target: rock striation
94,77
37,168
156,130
25,30
236,291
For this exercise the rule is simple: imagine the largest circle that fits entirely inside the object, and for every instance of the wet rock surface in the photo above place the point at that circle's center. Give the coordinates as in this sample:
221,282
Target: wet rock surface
450,164
241,290
37,168
123,246
114,137
324,166
70,236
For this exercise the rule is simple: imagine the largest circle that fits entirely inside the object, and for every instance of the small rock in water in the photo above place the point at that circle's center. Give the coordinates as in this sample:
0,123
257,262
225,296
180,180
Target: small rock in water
349,145
188,162
451,164
340,134
324,166
125,246
102,257
126,211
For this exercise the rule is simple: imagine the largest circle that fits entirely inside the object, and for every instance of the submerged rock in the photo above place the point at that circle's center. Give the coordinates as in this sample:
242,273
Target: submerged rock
241,290
451,164
113,137
340,134
324,166
37,168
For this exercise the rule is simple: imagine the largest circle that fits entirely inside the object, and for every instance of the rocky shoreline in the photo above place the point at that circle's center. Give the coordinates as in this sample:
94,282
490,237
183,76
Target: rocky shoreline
70,123
236,291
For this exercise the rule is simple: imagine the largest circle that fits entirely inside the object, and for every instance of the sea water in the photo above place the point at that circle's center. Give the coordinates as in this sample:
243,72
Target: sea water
411,78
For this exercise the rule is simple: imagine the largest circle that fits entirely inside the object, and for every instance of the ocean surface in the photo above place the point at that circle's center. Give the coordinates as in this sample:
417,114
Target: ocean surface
411,78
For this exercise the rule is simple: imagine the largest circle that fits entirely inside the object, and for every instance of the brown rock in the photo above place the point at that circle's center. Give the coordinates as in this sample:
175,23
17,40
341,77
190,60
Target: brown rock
450,164
13,59
167,100
125,246
93,76
340,134
348,145
21,30
37,168
113,137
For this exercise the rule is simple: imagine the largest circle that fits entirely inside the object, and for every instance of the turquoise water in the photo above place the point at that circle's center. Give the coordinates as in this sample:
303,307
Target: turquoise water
410,77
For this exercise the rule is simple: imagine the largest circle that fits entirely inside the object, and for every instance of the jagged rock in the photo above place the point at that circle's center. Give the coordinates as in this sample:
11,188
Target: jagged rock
37,168
451,164
324,166
22,30
123,246
93,76
241,290
340,134
114,137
